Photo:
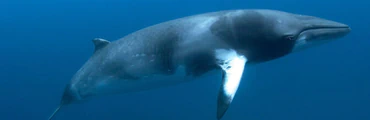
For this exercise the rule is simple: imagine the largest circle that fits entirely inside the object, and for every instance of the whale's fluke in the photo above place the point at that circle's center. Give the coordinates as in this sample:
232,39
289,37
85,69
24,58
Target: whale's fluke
56,110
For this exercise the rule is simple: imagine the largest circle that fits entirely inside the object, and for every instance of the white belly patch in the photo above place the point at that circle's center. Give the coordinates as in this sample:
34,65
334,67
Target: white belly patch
112,85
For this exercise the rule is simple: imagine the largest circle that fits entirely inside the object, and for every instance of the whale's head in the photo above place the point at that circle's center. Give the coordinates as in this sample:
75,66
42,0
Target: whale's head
305,31
271,34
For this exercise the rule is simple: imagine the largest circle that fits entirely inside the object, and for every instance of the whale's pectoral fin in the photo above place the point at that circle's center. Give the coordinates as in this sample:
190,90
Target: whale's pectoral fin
232,65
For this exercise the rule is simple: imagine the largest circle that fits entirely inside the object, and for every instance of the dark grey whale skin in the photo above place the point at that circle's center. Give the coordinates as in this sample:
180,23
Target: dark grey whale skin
182,49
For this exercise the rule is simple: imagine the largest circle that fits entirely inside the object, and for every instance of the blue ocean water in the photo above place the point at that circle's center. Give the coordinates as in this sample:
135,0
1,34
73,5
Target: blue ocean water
44,42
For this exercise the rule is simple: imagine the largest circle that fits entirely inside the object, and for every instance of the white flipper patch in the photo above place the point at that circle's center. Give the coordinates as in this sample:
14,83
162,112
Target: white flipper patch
232,65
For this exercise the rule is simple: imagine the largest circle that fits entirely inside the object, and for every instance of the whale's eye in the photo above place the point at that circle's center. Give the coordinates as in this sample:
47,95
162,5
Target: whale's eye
289,37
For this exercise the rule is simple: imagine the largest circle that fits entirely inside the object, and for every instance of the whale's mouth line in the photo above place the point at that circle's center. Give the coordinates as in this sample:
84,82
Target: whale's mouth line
324,31
327,28
347,28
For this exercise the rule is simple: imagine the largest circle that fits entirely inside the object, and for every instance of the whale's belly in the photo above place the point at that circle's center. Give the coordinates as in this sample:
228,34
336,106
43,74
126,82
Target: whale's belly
111,85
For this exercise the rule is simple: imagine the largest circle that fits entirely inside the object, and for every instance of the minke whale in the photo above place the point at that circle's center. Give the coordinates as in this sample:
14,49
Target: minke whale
185,49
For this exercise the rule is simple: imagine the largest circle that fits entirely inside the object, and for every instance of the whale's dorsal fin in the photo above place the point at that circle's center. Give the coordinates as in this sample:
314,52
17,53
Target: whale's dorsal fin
100,43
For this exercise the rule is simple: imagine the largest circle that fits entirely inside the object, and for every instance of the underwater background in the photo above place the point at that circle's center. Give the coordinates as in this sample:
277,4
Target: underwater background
44,42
